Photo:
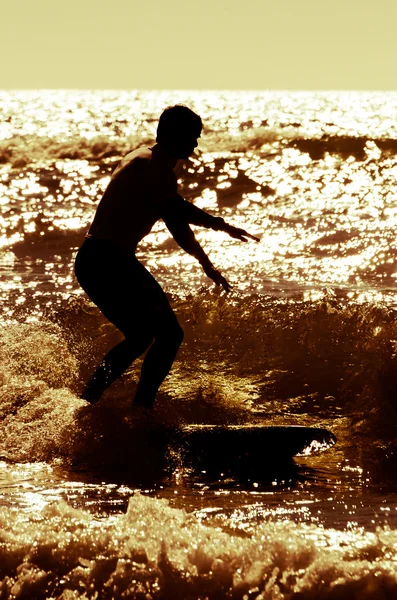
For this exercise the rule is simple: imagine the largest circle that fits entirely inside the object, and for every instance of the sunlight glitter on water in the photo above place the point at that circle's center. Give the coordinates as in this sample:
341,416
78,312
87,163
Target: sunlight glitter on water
292,247
326,213
327,221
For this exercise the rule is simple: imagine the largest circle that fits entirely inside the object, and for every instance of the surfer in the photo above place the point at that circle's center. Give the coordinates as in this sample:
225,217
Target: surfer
141,191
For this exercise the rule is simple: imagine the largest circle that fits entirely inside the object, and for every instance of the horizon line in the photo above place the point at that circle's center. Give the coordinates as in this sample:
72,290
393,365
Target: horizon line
197,90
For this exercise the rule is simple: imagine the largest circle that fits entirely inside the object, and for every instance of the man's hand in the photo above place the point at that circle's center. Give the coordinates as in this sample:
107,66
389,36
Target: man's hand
216,276
239,234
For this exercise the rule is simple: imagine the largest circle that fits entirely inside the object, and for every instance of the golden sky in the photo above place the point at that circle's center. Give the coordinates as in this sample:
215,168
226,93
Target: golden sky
199,44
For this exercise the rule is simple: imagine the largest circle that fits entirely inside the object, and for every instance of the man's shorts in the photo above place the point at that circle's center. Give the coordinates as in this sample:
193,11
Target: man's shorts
125,292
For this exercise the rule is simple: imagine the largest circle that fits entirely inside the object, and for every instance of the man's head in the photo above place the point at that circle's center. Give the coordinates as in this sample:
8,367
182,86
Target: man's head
178,130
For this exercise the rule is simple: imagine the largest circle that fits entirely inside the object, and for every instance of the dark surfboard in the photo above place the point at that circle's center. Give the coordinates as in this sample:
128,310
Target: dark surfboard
134,450
248,448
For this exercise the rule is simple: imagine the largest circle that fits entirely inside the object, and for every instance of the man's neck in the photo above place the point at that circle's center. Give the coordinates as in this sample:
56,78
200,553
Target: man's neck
160,155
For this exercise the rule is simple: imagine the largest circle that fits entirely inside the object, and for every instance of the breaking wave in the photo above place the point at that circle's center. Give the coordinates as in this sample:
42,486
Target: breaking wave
242,360
155,552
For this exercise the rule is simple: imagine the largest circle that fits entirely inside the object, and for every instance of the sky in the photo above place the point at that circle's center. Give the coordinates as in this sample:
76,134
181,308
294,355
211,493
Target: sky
199,44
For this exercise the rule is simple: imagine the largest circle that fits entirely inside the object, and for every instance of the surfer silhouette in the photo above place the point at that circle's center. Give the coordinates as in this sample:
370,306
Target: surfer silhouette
143,190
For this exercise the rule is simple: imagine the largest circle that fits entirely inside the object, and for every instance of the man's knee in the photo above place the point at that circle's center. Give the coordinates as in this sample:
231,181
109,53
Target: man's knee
138,340
178,335
171,334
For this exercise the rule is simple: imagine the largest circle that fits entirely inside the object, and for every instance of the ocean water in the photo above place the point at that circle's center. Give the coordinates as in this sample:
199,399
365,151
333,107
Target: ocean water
89,505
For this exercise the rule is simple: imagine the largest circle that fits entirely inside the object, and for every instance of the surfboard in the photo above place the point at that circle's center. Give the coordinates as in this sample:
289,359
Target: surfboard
136,450
248,448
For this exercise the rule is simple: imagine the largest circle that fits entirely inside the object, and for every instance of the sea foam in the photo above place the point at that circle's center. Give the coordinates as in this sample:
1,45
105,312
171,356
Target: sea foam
158,552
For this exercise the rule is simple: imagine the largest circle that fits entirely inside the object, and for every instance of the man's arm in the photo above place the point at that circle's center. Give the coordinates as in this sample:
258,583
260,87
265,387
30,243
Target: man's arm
184,236
177,208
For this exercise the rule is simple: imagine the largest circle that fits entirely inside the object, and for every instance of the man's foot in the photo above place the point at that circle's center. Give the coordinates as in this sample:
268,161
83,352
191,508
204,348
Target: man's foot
143,399
141,415
137,409
90,396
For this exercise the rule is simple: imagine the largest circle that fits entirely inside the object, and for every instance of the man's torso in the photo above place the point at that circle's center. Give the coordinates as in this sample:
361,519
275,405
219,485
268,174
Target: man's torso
131,203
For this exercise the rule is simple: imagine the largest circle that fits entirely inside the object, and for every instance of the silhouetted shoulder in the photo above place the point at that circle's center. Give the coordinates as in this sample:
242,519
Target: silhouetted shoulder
144,171
136,160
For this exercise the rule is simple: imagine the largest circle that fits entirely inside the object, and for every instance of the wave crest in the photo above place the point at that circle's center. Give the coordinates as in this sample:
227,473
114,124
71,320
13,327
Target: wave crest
242,359
25,150
20,151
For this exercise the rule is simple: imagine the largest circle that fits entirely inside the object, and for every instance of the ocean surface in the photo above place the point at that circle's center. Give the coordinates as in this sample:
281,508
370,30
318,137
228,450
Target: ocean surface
90,507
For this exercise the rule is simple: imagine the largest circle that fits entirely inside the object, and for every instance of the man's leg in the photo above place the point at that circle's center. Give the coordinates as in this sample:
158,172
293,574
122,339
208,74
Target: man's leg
131,299
116,361
111,277
158,360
